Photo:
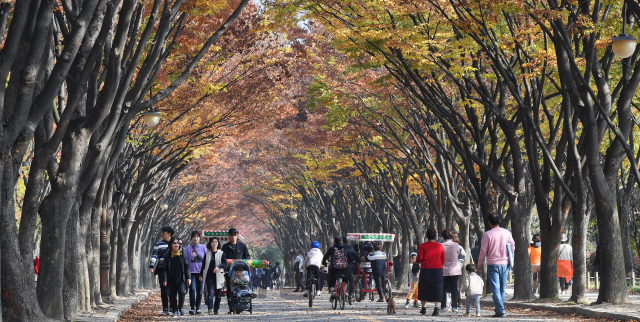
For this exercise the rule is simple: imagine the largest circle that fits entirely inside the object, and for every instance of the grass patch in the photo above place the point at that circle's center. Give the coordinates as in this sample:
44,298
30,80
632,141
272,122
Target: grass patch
549,300
635,290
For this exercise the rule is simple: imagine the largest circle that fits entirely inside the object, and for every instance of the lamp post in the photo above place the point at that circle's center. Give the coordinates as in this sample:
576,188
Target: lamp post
151,118
624,45
164,205
293,214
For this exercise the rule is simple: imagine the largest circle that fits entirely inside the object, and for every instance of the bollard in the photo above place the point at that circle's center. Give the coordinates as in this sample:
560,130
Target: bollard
633,279
596,280
588,280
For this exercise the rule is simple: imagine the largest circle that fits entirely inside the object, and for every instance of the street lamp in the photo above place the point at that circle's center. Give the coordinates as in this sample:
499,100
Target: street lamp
164,205
624,45
293,214
151,118
329,191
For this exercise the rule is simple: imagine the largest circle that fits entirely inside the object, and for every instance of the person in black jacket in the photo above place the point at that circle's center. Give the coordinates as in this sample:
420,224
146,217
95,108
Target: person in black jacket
351,257
234,249
176,276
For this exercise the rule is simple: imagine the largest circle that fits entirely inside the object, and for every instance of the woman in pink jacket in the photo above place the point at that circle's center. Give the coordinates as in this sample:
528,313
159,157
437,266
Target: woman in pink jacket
451,270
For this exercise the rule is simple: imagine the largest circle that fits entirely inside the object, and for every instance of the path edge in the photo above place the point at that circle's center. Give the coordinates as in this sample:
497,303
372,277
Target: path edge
116,309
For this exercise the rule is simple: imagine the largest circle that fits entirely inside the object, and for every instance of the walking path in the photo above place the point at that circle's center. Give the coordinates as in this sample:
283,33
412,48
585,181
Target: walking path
112,312
286,306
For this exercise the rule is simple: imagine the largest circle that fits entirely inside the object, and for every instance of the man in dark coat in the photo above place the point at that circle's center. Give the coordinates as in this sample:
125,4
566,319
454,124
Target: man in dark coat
234,249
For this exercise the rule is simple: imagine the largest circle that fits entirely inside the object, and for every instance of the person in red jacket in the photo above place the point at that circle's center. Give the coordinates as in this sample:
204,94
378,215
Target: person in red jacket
431,258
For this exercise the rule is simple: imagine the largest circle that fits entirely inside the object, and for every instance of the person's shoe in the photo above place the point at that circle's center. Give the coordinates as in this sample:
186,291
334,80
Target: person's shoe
305,294
215,313
210,312
446,309
380,300
423,311
254,295
175,314
198,311
165,312
181,312
455,310
296,291
416,304
192,312
268,288
436,312
350,300
406,306
478,314
318,293
498,315
466,314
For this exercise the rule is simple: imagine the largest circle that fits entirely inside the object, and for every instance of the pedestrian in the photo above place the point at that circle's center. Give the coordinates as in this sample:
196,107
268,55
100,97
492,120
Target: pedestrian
494,248
298,269
312,264
341,257
215,263
156,265
462,256
176,276
195,254
473,288
233,249
534,259
431,258
565,264
451,271
277,270
475,253
379,268
267,273
414,272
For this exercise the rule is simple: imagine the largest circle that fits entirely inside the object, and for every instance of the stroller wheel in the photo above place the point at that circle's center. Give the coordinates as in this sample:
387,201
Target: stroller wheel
251,308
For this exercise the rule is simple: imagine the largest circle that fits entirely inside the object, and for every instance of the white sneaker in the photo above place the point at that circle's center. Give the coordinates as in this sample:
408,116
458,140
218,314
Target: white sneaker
318,293
406,306
478,314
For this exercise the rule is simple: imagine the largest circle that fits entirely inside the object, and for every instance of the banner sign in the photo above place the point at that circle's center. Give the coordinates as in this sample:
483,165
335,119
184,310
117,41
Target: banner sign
223,235
253,263
371,237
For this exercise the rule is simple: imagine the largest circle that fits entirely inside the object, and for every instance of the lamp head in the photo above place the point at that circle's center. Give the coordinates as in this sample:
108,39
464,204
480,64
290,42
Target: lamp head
164,206
151,118
624,45
294,214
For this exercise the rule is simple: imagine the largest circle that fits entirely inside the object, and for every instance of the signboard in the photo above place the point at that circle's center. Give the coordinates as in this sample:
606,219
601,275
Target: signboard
371,237
253,263
223,235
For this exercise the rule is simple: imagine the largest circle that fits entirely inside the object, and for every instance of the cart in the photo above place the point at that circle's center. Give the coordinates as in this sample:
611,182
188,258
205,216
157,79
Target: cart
363,277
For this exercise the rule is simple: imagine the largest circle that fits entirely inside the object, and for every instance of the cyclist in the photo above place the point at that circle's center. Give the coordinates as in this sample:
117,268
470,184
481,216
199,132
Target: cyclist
312,263
276,275
341,257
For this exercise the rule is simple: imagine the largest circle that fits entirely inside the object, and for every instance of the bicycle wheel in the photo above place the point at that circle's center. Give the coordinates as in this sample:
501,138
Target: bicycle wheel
334,303
387,291
343,296
358,291
349,299
312,293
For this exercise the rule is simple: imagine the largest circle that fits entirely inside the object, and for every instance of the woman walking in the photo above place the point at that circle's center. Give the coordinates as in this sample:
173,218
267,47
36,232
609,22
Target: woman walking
195,254
176,276
451,270
431,258
213,274
534,259
565,264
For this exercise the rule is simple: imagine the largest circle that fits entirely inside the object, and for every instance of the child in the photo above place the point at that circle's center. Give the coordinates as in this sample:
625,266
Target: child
241,276
413,282
472,287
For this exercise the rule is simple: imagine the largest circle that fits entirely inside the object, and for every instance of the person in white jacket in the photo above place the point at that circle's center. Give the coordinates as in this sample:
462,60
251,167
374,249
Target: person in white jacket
473,287
312,263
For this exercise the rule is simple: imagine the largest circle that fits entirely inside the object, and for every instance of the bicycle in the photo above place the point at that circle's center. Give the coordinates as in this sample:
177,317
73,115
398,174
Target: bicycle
341,294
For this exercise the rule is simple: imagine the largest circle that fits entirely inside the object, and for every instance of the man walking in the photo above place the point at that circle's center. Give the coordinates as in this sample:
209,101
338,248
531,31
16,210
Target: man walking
297,267
233,250
156,265
494,248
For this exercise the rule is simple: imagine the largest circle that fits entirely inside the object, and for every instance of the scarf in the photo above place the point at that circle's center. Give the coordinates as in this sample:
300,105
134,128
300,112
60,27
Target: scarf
176,253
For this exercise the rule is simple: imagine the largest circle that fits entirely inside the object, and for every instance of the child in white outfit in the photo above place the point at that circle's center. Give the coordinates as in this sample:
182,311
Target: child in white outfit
473,287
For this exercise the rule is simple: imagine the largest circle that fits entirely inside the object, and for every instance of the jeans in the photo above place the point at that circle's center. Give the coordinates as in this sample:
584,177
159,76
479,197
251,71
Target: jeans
450,284
497,276
214,293
379,284
195,291
564,285
299,285
476,302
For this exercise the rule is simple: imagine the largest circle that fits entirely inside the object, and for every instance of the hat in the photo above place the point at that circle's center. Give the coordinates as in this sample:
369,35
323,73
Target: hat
315,244
564,237
413,254
232,231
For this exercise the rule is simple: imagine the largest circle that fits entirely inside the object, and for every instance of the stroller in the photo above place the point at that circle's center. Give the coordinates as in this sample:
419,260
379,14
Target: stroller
241,293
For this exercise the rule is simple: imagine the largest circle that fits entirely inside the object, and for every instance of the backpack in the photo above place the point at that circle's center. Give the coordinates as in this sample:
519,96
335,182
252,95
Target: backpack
276,270
339,259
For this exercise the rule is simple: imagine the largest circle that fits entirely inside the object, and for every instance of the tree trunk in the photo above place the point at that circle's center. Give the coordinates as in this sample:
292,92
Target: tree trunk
71,278
521,230
579,242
